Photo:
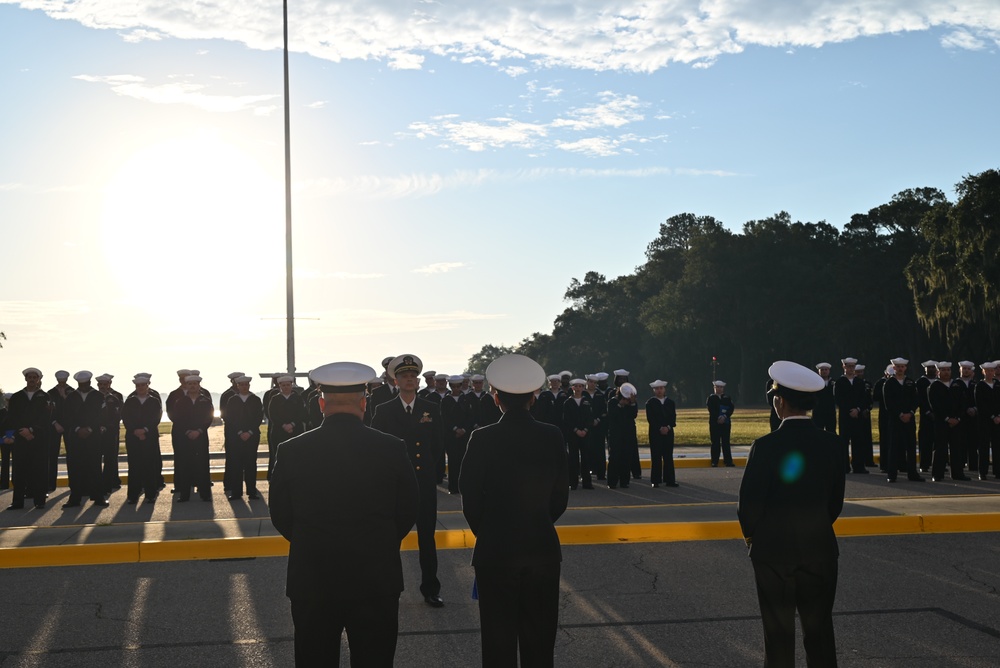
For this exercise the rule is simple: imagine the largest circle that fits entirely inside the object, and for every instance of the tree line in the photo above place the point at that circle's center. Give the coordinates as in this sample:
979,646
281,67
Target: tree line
918,277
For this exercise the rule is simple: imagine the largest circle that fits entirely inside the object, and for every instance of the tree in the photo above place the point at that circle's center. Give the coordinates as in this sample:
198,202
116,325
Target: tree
478,362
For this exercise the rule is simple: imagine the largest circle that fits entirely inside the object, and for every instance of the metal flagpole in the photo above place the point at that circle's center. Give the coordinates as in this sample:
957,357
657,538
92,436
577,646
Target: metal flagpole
290,302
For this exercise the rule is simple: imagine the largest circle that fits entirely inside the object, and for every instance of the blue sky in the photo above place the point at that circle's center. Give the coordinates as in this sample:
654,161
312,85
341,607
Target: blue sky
454,165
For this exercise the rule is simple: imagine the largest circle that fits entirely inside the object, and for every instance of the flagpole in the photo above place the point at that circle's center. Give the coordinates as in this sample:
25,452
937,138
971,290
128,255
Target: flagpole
289,299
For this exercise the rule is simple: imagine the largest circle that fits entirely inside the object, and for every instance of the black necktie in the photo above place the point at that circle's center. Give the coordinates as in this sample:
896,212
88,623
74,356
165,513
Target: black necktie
409,409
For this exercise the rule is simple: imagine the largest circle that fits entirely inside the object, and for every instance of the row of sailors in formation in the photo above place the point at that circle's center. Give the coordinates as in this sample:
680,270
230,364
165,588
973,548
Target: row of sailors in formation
950,422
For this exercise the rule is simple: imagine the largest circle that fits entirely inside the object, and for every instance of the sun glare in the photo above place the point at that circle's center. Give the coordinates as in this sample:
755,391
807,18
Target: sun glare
190,214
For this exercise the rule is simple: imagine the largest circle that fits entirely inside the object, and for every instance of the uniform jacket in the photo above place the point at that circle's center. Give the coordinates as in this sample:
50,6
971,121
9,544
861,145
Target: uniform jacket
244,416
791,494
987,401
661,414
142,415
32,413
282,410
82,412
849,394
577,417
946,401
189,415
899,398
512,511
716,403
420,430
342,549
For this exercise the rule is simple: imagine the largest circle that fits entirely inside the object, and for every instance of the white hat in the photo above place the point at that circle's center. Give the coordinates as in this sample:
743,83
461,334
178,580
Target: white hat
286,379
234,375
31,369
195,372
943,365
628,390
145,374
104,378
928,363
193,378
385,362
890,370
565,373
849,360
591,376
795,377
183,372
823,365
82,376
859,367
578,381
242,379
405,362
552,376
515,374
476,378
140,379
899,360
722,383
967,364
61,374
658,383
988,365
621,372
603,375
467,375
440,376
456,379
429,372
342,377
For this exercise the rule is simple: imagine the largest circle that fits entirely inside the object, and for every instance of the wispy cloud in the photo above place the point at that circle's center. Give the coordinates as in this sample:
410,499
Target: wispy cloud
963,39
178,92
318,104
423,185
524,35
440,268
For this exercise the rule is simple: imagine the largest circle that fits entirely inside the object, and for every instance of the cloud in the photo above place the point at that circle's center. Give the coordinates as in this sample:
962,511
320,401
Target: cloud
318,104
615,111
963,39
439,267
179,92
7,187
520,35
478,135
424,185
140,35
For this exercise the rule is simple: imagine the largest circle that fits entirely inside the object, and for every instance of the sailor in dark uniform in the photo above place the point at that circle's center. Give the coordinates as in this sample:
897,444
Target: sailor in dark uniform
599,433
286,418
517,558
720,410
57,434
417,422
970,422
622,439
244,414
83,448
25,431
456,425
111,418
791,494
947,402
988,414
141,415
344,568
576,421
191,415
661,415
848,392
900,401
428,383
925,428
825,413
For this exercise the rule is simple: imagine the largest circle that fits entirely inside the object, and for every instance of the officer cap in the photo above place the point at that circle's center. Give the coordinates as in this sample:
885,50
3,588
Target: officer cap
515,374
342,377
795,377
404,363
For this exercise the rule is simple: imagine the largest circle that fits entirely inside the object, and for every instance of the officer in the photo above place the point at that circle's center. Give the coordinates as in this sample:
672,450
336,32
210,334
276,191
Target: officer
791,494
661,414
720,410
344,569
25,430
417,422
511,512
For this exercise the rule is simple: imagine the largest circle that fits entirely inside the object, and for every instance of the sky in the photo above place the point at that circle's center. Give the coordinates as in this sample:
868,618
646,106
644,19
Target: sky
454,164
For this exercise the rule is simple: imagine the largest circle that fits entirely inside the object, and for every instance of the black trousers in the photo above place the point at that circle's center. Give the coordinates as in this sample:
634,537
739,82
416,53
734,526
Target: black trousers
661,450
925,440
947,439
719,434
989,438
241,465
191,466
426,526
30,460
83,468
619,458
597,447
142,459
372,624
456,453
809,588
518,614
110,478
901,446
579,463
6,452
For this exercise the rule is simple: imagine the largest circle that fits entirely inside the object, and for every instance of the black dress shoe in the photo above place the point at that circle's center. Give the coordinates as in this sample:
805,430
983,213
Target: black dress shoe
151,499
40,506
454,492
915,478
671,484
890,480
434,601
15,506
714,464
101,503
655,484
573,487
612,486
71,504
253,496
730,464
131,502
234,497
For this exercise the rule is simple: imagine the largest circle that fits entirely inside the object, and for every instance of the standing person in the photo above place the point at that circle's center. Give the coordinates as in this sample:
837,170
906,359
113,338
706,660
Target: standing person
947,402
970,421
286,418
988,414
925,429
344,569
417,422
622,439
83,447
25,431
720,410
191,416
577,421
661,414
900,402
57,434
456,423
517,557
825,413
848,391
111,420
141,416
599,434
884,423
866,438
244,414
791,494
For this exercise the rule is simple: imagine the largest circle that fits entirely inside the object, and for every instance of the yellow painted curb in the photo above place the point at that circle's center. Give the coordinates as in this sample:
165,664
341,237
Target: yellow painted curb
69,555
213,548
